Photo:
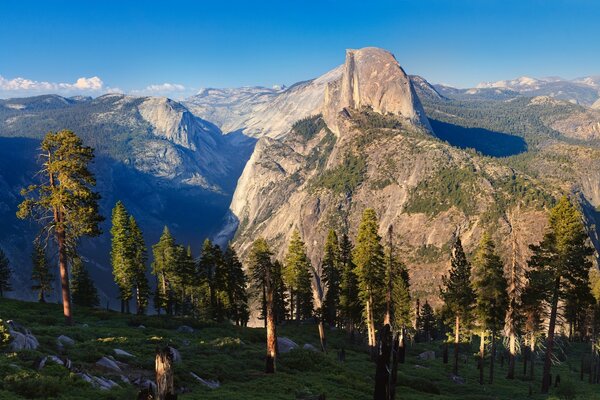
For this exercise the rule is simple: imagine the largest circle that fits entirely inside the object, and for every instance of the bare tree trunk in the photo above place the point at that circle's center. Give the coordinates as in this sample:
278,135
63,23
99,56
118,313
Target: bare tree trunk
382,374
531,356
492,357
481,356
371,324
394,370
550,339
456,342
402,347
165,386
271,334
512,351
387,320
64,275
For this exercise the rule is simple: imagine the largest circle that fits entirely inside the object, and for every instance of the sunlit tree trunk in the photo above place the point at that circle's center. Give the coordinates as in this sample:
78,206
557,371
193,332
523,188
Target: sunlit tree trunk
550,339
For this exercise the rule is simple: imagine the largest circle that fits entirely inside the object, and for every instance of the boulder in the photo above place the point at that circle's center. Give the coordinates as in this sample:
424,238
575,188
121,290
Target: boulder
285,345
308,346
43,361
185,329
457,379
64,340
123,353
176,354
22,338
107,363
427,355
206,382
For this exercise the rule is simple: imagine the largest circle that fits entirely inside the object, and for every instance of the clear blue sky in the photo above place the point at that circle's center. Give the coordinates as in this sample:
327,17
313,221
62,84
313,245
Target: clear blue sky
131,45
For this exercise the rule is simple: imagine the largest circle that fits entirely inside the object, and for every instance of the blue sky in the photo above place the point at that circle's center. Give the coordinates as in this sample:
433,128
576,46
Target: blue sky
178,47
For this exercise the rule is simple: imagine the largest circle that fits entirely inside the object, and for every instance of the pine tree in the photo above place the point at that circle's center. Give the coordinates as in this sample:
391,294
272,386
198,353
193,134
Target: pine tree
370,271
401,299
237,282
164,253
427,322
350,307
121,254
514,291
280,304
297,278
83,289
5,274
40,274
65,203
138,266
490,289
458,295
261,268
532,310
561,261
331,277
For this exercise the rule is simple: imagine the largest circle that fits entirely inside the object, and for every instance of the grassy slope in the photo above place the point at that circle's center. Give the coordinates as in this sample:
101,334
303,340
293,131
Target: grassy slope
234,356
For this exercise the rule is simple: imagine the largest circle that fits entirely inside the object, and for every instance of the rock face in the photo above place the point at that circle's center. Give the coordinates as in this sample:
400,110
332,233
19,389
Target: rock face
259,112
22,338
373,148
373,78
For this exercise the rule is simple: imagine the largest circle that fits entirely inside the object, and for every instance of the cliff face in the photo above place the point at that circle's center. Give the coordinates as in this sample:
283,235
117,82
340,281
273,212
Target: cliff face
373,78
312,184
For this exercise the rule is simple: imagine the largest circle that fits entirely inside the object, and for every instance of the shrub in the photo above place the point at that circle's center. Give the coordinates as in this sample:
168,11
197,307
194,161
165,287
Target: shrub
4,335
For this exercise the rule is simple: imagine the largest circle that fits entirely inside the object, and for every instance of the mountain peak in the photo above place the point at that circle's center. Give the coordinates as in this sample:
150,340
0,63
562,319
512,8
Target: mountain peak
372,77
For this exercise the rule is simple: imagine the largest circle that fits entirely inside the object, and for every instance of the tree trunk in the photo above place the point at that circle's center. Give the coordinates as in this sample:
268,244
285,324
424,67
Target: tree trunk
512,351
550,339
402,347
481,356
382,374
322,336
525,358
271,334
531,356
64,274
492,357
456,341
371,324
394,371
445,353
165,388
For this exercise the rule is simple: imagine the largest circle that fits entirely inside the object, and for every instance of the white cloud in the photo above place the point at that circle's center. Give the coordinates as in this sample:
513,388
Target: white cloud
165,87
27,85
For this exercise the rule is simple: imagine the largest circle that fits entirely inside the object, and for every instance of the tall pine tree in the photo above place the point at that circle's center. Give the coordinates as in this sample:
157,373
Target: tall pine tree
331,277
64,203
139,258
297,278
561,261
121,255
40,274
370,270
349,306
458,294
490,286
164,253
236,282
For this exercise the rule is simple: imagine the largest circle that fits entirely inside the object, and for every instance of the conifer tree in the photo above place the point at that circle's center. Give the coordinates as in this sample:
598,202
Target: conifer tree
164,253
261,268
559,262
458,295
331,277
427,321
64,203
515,278
5,274
280,304
370,271
350,307
40,274
490,287
297,278
83,289
121,254
138,266
237,295
208,268
532,310
401,299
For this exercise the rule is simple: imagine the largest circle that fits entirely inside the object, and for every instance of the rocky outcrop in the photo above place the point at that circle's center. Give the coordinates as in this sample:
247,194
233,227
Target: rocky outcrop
373,78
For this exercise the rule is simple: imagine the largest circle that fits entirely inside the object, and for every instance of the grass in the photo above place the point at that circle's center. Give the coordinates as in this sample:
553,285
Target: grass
235,357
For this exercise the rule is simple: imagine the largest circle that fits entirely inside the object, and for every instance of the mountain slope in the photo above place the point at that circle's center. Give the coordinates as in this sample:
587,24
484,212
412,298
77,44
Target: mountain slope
168,166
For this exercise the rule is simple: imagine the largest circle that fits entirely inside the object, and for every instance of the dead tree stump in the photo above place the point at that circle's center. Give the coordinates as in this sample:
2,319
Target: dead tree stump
165,387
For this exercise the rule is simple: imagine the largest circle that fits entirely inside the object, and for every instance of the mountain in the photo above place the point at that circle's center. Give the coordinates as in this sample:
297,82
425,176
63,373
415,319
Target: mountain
372,146
257,111
584,91
168,166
